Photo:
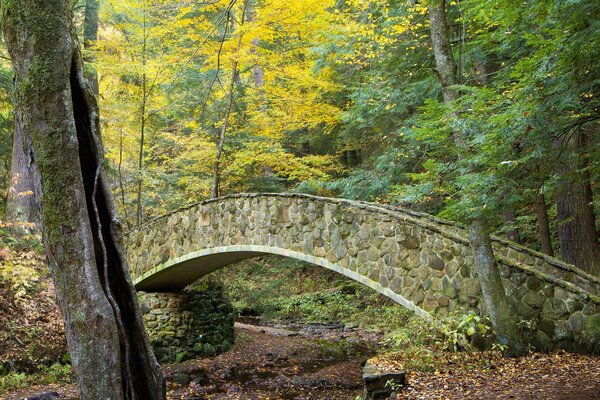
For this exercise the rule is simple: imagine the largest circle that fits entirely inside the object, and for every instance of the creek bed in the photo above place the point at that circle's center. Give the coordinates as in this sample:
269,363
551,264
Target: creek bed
300,362
284,362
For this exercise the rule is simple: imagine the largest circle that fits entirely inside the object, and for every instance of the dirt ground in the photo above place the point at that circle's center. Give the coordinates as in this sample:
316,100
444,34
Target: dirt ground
266,365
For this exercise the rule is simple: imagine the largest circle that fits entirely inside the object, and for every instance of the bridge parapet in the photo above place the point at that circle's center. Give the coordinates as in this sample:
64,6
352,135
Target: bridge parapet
417,260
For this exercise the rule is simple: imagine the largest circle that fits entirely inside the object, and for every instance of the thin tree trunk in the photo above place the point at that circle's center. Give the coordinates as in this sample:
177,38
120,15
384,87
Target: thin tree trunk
509,216
577,232
543,224
120,176
140,180
139,212
21,205
495,301
510,221
258,73
90,37
494,295
216,188
442,51
110,353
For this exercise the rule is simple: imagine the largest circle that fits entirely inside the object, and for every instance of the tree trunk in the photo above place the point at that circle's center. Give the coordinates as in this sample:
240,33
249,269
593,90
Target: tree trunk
140,181
494,296
440,41
216,188
510,220
258,73
109,349
90,37
495,301
543,224
576,220
21,204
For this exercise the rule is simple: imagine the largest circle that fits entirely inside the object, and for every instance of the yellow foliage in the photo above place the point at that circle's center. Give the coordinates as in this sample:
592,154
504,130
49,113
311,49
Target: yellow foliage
167,63
18,272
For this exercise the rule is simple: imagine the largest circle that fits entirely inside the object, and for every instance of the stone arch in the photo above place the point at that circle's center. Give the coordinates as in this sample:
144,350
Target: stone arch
179,272
419,261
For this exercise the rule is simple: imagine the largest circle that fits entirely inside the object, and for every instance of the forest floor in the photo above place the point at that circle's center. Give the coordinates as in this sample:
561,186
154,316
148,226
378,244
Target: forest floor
265,364
300,358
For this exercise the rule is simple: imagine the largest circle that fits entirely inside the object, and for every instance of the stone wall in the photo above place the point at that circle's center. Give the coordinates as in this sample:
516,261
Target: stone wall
187,324
415,259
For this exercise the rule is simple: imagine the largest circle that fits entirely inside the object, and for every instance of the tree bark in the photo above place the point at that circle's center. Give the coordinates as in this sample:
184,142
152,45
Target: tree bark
510,220
442,51
495,301
90,37
21,204
494,296
110,353
543,225
577,232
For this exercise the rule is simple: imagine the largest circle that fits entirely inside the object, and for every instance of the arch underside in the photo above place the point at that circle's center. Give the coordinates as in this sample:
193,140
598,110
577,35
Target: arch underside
177,273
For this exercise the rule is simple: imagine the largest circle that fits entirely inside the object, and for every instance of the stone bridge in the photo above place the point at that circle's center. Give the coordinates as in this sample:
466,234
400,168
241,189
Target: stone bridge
417,260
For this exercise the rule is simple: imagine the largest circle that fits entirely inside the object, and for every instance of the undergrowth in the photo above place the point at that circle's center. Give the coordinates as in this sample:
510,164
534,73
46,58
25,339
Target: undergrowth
31,330
54,373
19,262
280,289
288,290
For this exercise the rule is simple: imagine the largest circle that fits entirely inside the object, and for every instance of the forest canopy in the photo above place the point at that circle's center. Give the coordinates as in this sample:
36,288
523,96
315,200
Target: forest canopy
345,99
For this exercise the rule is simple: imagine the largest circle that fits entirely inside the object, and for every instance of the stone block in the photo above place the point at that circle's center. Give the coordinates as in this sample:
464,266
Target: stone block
397,285
372,254
412,242
424,272
577,323
450,292
435,262
591,308
526,312
426,284
554,309
389,245
533,283
472,287
534,299
452,268
376,382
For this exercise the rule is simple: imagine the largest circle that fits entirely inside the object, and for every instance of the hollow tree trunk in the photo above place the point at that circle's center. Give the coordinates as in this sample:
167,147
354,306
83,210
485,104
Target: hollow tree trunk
577,232
21,204
543,224
494,295
109,350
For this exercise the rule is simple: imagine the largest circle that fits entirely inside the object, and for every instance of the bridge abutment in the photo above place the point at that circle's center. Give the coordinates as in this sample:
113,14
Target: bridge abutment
188,324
